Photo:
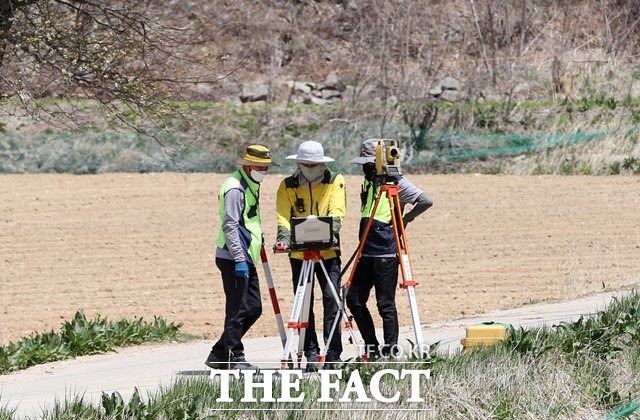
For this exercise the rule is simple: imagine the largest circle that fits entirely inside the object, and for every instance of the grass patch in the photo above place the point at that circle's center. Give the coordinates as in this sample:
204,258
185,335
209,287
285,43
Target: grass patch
6,413
587,368
82,337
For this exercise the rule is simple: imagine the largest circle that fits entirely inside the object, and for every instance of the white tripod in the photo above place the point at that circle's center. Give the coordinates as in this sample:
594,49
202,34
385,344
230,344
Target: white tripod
302,305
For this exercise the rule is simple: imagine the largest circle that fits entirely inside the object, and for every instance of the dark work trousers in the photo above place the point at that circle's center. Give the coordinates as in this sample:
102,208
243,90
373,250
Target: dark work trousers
243,307
380,273
329,304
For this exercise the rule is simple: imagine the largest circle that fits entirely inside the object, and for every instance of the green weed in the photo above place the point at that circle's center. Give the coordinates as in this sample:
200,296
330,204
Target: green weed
6,413
567,167
586,169
549,372
632,164
80,337
614,168
486,117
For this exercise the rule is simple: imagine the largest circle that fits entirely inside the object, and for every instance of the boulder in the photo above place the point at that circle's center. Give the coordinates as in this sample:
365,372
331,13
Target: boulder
254,93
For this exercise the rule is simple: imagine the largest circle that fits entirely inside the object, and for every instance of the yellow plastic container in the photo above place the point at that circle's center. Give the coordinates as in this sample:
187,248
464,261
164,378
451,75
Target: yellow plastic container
485,334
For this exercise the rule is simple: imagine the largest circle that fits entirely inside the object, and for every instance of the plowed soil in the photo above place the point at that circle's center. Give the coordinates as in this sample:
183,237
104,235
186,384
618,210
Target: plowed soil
133,245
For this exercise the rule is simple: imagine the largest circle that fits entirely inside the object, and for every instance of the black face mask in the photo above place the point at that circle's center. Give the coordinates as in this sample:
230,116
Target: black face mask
369,172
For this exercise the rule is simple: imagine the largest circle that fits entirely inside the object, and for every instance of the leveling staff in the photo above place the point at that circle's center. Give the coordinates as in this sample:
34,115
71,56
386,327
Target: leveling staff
378,265
237,252
314,190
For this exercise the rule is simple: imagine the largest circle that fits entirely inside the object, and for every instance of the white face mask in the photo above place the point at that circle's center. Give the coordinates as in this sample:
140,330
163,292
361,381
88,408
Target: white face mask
314,174
258,176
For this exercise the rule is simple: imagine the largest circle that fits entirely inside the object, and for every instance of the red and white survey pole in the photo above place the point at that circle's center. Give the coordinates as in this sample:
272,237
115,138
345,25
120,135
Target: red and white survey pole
274,298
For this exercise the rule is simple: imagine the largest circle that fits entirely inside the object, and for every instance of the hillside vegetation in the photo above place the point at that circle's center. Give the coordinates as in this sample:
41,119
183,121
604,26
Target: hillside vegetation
524,87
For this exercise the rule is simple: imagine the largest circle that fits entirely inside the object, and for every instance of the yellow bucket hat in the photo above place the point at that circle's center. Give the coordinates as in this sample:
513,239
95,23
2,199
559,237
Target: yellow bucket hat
257,155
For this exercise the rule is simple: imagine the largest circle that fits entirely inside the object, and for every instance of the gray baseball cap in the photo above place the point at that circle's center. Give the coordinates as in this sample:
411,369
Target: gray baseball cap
367,152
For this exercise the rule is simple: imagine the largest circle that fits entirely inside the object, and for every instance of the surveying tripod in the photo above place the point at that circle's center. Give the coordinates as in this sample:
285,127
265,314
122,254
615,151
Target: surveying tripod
391,192
302,305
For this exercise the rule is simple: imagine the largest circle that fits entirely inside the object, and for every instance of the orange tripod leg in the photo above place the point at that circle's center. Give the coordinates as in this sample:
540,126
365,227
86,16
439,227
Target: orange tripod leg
405,266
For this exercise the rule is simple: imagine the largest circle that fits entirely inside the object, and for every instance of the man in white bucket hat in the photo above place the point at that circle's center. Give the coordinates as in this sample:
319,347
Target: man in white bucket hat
313,189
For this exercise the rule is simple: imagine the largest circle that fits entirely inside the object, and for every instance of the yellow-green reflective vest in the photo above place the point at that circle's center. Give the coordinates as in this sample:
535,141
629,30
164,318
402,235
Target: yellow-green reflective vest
381,236
250,229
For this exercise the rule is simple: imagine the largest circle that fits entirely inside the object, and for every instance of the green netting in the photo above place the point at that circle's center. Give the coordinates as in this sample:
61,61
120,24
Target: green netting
97,152
464,146
342,142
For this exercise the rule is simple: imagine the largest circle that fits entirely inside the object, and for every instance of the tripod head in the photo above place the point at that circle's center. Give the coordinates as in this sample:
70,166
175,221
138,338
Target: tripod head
385,180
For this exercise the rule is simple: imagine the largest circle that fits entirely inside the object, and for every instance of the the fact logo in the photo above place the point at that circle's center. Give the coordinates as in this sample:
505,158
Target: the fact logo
331,389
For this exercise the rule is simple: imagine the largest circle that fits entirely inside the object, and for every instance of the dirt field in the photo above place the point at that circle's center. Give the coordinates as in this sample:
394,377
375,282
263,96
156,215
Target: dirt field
132,245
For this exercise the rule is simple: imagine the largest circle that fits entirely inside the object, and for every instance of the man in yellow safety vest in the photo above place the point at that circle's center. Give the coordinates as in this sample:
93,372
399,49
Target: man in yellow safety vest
237,252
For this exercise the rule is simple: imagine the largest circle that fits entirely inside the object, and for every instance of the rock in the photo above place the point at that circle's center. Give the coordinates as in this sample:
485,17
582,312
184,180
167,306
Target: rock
449,95
449,83
331,93
334,82
318,101
298,87
435,91
254,93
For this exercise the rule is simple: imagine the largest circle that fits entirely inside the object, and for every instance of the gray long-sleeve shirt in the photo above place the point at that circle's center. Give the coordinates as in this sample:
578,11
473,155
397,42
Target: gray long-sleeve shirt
233,208
410,194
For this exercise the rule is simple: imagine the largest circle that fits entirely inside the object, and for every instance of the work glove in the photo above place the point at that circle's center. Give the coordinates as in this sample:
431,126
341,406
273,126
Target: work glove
242,270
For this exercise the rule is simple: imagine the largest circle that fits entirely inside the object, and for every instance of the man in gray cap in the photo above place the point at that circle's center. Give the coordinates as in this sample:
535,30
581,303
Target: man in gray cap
314,190
378,264
238,251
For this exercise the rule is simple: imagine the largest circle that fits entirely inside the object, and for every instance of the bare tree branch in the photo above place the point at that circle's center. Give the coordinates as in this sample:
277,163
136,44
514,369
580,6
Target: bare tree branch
133,59
483,48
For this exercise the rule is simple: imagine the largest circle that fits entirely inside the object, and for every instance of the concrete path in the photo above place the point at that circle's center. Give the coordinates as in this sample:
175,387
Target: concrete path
150,367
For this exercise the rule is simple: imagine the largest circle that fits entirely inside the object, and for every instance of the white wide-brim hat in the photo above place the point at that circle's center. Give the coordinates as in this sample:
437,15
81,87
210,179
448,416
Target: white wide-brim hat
310,152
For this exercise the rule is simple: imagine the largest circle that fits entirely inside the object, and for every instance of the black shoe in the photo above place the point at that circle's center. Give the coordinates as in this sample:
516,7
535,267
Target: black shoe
331,360
216,361
312,361
240,363
372,354
242,366
390,351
